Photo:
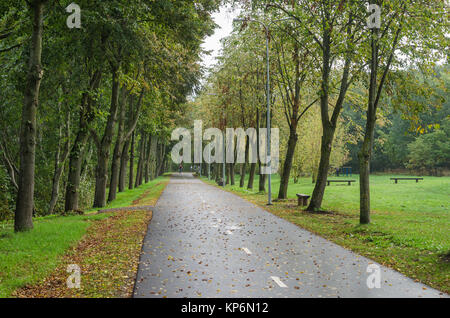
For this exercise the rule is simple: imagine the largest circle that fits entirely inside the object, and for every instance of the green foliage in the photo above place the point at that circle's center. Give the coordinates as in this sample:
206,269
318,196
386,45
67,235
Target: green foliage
5,196
27,258
431,150
406,113
156,46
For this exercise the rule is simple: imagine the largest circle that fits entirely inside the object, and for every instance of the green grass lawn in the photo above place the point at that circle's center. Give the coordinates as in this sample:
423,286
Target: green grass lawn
27,258
410,229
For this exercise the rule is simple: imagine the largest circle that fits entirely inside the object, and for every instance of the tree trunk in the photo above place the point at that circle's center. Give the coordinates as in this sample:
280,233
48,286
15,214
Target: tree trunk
147,159
10,166
364,173
227,173
251,176
365,153
244,165
292,142
153,155
77,151
242,175
329,125
23,220
123,165
117,153
86,159
232,182
133,117
59,167
162,159
131,174
328,129
157,159
75,164
104,147
322,174
163,166
217,172
262,180
140,166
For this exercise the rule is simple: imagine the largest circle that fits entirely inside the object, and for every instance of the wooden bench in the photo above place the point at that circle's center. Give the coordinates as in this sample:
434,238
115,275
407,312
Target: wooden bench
348,181
302,199
396,179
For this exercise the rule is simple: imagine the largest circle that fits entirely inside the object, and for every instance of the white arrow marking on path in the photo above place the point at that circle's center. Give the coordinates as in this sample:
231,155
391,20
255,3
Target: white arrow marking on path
278,281
246,250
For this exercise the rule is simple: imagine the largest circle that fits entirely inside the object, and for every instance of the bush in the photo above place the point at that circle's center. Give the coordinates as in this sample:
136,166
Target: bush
431,150
6,197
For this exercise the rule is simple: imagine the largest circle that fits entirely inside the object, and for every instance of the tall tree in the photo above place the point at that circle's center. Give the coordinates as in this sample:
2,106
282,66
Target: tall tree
292,74
104,145
25,195
408,27
122,137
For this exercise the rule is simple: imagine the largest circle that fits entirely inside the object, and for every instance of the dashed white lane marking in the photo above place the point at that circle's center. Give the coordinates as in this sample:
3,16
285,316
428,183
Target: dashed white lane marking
278,281
246,250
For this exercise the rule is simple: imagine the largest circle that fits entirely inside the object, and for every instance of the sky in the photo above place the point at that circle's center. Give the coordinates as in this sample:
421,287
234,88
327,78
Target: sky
224,20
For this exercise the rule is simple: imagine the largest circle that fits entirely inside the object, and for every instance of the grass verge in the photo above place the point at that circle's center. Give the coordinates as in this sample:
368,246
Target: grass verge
28,258
108,257
410,226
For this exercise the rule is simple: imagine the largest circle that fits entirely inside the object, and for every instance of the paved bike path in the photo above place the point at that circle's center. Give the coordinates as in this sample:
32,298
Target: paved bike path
206,242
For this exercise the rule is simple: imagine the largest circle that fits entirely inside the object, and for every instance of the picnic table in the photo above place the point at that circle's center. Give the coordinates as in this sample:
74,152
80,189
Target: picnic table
396,179
348,181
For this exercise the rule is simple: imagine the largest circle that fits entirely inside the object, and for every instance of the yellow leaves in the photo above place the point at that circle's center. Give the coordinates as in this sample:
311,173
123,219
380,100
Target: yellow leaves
421,130
145,85
108,265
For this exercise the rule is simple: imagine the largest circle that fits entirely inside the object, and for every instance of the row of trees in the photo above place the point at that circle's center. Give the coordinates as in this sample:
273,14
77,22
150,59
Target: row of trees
95,104
404,140
326,58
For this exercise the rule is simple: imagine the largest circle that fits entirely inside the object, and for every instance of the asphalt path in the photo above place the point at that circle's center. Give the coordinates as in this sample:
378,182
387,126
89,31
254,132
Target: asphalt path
206,242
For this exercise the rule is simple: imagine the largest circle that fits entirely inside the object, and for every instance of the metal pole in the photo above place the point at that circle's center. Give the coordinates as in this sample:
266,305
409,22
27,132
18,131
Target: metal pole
224,151
269,159
209,154
224,158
